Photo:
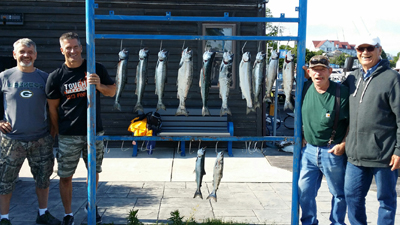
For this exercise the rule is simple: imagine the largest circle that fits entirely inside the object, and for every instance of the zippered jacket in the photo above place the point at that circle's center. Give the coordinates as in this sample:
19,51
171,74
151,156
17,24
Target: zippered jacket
374,134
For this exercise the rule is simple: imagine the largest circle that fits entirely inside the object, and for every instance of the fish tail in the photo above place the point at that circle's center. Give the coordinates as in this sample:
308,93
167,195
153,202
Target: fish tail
181,111
205,111
256,104
160,106
225,111
213,195
198,194
117,106
250,109
267,98
288,105
138,107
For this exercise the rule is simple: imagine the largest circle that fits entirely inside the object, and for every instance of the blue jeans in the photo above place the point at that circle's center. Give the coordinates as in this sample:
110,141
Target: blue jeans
315,163
357,183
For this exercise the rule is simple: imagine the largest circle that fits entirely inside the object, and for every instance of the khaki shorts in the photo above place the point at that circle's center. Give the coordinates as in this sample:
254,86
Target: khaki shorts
69,152
12,155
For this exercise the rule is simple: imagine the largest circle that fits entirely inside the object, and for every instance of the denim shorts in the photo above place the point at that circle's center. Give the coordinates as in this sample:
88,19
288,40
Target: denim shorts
70,149
12,155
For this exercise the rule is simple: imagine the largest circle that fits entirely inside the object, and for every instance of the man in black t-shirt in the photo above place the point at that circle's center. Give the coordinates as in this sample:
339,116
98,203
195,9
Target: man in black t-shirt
66,93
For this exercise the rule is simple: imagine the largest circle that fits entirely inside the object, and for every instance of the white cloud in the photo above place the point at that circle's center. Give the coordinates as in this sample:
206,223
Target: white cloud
345,20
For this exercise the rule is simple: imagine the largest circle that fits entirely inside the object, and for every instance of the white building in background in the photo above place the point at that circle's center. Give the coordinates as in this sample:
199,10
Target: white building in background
329,46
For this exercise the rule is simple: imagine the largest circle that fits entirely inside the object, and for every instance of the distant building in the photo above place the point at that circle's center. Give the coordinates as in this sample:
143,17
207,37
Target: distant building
329,46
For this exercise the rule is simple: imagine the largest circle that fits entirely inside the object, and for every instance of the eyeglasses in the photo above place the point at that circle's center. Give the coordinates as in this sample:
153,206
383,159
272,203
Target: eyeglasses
369,48
319,61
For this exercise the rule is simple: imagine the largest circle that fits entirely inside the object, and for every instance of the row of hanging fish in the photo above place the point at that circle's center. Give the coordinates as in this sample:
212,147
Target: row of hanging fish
287,75
200,172
250,79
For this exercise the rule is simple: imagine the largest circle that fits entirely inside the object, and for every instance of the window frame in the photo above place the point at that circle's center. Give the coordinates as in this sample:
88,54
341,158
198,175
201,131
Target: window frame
218,56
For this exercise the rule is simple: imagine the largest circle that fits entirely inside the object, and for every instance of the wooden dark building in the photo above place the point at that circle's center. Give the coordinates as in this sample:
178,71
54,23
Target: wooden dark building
45,20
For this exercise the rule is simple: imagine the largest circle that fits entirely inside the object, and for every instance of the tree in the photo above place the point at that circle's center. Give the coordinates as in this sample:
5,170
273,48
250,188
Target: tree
339,60
271,30
395,60
383,54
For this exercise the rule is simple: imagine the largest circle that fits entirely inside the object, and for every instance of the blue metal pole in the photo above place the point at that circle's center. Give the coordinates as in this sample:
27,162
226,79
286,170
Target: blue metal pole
193,138
301,53
193,37
224,19
91,114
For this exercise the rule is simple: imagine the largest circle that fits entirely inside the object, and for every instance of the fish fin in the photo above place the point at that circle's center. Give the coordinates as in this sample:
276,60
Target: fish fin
138,107
181,111
117,106
160,106
256,105
205,111
225,111
198,194
213,195
288,105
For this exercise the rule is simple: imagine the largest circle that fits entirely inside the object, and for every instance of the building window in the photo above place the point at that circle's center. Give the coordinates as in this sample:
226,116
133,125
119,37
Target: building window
220,46
328,49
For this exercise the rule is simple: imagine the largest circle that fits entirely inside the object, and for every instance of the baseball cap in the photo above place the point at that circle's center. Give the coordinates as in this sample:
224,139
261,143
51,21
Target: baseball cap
319,60
369,40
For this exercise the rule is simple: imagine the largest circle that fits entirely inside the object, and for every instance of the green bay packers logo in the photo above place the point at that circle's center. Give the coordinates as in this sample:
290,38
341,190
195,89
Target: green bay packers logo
26,93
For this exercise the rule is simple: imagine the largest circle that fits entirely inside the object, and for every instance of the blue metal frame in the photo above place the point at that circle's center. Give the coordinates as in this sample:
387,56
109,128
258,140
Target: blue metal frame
90,36
91,115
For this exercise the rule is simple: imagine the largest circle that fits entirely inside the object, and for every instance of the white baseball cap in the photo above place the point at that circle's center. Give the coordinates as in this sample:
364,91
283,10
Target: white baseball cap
369,40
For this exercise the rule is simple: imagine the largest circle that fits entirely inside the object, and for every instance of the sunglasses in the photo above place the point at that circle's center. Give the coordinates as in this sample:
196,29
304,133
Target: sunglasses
369,48
319,61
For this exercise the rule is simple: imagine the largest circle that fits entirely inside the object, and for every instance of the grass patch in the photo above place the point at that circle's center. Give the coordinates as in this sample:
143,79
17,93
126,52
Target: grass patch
176,219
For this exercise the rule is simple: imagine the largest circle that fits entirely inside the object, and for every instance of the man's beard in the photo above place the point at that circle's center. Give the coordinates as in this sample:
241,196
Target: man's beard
24,64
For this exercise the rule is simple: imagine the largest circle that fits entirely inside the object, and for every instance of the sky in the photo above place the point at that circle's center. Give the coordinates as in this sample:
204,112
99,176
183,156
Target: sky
344,20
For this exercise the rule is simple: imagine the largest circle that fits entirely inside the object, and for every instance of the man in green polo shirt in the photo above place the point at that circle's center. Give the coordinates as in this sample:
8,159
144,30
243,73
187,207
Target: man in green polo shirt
319,157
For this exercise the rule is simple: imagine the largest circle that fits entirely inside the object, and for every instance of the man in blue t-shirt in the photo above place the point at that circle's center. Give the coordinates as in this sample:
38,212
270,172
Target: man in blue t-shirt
24,130
66,92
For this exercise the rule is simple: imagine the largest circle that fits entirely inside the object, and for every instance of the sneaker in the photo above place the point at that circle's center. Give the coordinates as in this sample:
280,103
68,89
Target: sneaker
68,220
47,218
5,222
98,217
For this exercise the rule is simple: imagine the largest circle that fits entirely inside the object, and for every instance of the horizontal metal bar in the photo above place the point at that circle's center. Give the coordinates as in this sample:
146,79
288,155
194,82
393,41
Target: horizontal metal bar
192,37
192,138
197,18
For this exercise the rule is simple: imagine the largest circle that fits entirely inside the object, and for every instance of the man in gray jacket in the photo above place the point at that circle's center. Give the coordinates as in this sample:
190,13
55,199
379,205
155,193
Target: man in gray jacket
372,145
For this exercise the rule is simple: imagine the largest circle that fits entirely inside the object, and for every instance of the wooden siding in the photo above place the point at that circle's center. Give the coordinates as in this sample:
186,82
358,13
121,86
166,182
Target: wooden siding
45,21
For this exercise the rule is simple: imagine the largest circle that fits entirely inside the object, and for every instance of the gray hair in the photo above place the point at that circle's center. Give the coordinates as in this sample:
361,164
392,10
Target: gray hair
69,36
25,42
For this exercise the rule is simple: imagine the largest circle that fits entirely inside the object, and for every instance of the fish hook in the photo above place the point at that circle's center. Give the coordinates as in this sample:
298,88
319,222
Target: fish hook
122,40
161,45
255,147
183,46
248,147
243,47
216,147
141,43
177,150
259,45
107,149
190,147
141,148
122,145
199,144
262,144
